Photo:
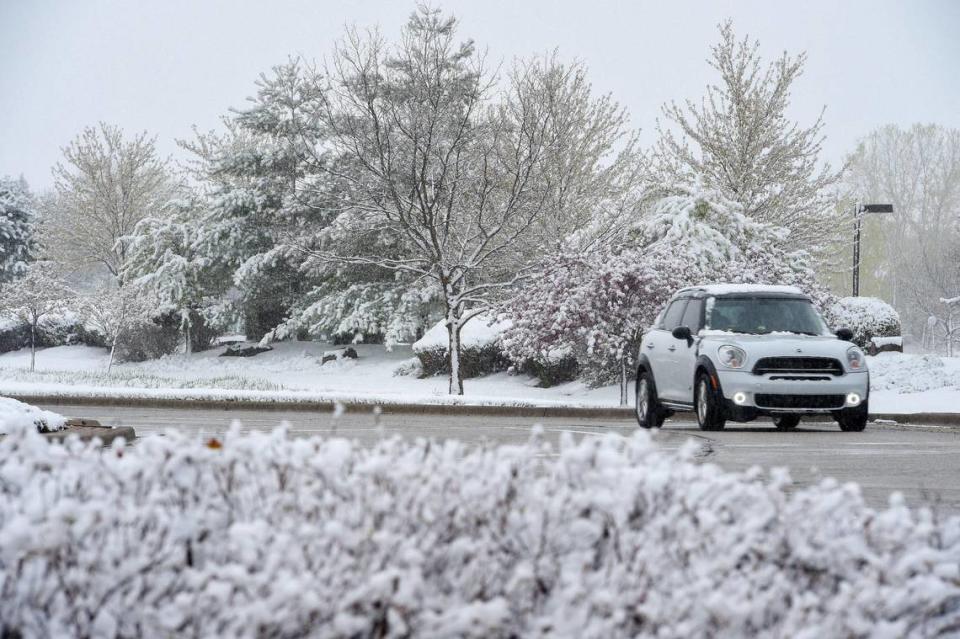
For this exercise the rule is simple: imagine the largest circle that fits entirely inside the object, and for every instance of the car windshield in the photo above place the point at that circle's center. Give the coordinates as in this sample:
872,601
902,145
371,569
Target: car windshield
761,315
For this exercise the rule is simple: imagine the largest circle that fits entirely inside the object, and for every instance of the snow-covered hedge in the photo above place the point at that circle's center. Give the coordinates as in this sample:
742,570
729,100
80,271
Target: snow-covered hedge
481,352
264,535
867,317
16,416
53,330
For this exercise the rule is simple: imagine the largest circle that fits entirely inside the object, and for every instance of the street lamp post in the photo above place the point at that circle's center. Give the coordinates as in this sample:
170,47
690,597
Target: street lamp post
858,212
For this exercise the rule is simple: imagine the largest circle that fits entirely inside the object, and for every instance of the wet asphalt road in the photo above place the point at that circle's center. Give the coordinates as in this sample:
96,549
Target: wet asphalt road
921,462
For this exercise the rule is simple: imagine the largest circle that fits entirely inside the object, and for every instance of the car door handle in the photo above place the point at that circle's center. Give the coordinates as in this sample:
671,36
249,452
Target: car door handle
671,348
649,344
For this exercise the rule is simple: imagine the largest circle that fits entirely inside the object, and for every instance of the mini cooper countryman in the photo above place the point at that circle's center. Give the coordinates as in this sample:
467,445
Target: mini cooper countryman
738,352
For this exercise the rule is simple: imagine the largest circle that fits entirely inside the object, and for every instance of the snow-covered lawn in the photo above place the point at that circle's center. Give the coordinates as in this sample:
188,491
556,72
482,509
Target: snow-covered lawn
264,535
901,383
291,370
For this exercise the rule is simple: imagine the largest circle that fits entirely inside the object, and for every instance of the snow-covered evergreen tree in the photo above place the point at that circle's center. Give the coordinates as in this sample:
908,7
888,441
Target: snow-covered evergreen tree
17,219
165,263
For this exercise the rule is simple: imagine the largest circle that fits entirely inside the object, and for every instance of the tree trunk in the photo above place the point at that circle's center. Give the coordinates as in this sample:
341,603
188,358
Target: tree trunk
33,345
453,352
113,351
624,382
187,341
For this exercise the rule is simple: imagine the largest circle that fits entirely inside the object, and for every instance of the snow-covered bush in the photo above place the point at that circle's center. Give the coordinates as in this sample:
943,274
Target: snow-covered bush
481,352
16,417
62,329
867,317
265,535
151,338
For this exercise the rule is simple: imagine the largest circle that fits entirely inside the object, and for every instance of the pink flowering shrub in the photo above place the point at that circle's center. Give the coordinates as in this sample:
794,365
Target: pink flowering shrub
594,306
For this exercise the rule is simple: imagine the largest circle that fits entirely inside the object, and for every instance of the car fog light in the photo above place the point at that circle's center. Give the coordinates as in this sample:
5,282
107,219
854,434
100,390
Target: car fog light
853,399
740,398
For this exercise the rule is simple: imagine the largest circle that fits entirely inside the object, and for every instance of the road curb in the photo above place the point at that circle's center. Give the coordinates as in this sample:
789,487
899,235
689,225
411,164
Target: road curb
599,412
937,419
498,410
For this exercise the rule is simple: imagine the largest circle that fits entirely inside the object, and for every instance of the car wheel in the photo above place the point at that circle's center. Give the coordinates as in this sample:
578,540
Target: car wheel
853,420
647,408
786,422
708,405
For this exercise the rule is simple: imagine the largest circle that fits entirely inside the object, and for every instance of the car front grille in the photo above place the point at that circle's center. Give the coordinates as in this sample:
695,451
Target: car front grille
767,400
798,365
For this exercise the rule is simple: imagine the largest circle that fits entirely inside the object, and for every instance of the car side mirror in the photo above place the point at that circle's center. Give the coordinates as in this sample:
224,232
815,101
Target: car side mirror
845,334
683,332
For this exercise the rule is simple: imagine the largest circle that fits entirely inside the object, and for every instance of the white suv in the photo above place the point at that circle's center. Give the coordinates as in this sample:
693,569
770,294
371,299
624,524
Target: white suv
737,351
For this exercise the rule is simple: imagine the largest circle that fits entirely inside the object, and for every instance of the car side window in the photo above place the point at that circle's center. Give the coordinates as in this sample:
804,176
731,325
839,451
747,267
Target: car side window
693,316
673,314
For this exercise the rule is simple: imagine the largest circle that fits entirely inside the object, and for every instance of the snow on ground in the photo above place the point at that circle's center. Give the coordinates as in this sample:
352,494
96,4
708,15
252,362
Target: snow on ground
16,416
292,371
262,534
901,383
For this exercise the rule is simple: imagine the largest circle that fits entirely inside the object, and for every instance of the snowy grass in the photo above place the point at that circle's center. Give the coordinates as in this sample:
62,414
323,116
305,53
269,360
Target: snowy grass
265,535
125,378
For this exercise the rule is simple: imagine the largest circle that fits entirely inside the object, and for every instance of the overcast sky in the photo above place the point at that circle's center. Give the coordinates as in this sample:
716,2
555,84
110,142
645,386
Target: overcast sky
165,65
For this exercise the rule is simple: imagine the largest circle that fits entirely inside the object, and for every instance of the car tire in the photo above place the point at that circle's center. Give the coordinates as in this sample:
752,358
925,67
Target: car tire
853,420
646,407
708,405
786,422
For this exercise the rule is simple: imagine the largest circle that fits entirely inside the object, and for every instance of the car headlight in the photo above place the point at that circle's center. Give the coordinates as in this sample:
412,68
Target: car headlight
732,356
855,359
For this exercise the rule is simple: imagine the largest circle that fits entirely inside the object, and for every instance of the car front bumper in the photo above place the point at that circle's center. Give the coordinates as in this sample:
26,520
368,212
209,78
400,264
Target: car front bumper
751,394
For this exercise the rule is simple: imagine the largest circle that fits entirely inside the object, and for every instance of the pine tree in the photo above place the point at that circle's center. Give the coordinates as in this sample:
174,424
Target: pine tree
17,215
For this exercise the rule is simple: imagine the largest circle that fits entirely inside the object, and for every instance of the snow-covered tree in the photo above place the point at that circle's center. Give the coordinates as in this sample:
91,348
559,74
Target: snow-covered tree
105,184
452,167
592,166
918,171
115,312
38,293
17,218
739,139
164,263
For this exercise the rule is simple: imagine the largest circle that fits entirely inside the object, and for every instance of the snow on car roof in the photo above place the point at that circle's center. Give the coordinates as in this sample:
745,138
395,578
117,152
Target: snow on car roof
728,289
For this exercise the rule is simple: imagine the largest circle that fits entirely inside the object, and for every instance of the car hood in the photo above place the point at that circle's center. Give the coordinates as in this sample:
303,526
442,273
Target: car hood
779,345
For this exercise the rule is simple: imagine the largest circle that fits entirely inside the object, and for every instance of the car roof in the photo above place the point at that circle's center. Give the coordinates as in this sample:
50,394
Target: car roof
741,290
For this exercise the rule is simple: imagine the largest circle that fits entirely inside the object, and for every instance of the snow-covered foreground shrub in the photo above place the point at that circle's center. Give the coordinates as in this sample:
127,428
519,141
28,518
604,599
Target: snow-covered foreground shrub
480,354
867,317
16,416
263,535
